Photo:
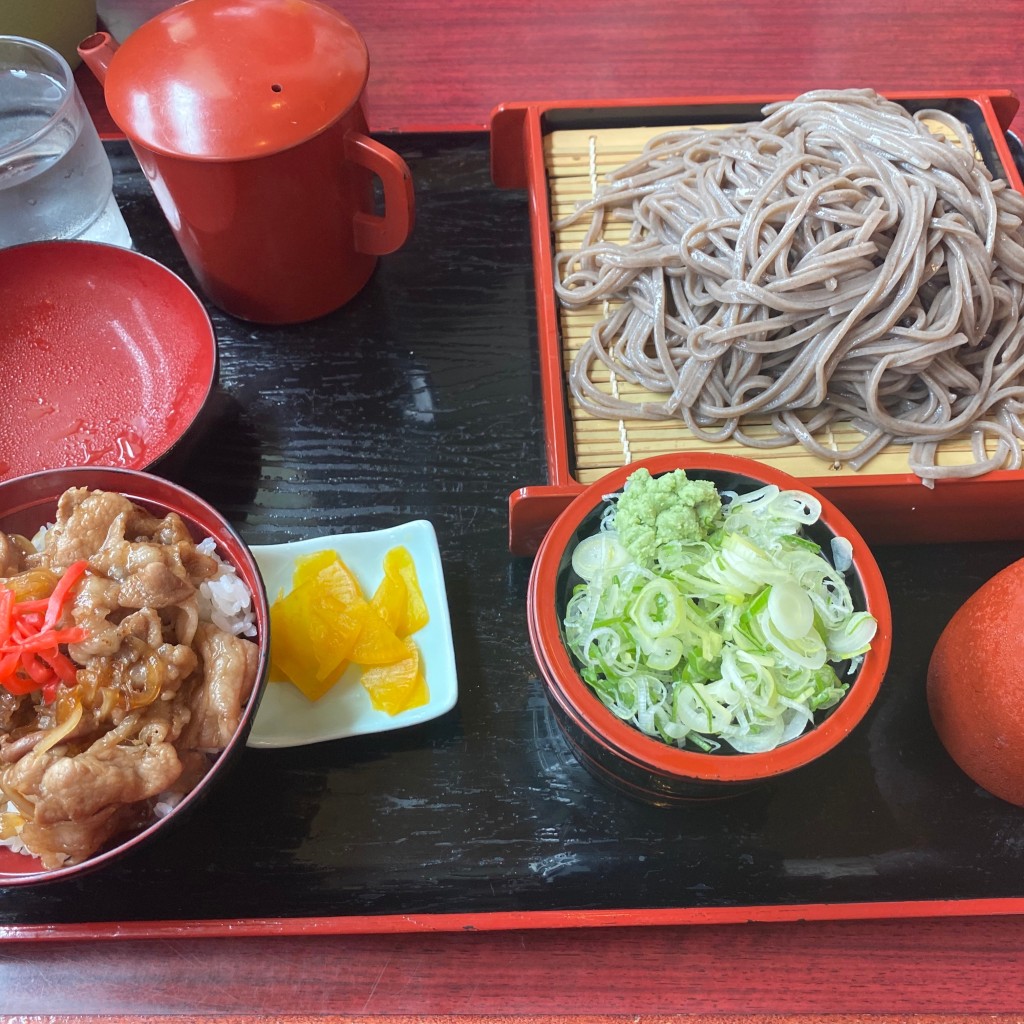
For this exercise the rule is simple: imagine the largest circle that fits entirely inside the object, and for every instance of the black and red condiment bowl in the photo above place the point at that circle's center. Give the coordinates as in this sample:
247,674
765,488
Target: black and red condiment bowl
27,503
620,754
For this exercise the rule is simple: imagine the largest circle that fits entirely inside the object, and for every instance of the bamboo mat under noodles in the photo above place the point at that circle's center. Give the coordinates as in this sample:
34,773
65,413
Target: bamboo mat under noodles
577,161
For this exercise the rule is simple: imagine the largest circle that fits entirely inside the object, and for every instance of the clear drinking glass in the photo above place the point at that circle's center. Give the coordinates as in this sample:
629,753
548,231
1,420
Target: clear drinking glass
55,178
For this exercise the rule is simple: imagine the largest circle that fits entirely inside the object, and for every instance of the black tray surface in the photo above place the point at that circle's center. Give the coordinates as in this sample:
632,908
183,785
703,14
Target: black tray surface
421,399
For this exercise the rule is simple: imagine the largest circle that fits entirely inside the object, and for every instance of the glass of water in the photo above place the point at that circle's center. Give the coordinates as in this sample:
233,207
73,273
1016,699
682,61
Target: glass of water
55,178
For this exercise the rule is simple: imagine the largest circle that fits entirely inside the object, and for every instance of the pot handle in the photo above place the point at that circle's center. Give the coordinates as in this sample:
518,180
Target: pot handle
378,235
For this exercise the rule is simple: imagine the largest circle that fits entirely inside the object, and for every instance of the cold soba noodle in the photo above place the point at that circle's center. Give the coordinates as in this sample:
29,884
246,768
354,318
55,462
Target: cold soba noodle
835,262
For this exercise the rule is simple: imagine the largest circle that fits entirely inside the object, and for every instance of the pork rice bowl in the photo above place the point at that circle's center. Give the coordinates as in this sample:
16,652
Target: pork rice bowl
128,653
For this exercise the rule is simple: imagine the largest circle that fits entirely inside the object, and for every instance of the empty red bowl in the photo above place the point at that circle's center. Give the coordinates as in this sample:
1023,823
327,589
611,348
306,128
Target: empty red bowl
28,502
618,752
107,357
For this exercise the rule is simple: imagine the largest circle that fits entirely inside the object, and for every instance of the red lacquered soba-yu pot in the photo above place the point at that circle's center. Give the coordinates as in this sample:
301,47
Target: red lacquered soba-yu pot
247,118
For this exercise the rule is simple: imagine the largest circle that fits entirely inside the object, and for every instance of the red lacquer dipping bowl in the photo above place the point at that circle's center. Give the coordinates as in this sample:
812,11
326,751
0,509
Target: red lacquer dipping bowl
107,357
620,754
28,502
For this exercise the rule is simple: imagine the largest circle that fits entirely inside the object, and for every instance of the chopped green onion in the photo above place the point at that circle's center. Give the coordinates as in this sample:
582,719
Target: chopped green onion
735,642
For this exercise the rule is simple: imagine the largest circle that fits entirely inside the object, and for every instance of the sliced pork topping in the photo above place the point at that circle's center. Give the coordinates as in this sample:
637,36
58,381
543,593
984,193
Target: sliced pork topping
76,788
228,674
13,551
70,842
83,520
155,585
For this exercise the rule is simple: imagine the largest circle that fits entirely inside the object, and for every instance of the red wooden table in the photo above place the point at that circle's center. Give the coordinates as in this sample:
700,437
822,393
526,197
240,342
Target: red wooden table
444,64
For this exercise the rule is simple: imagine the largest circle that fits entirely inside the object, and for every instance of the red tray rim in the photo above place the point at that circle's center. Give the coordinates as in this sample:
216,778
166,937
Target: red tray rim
526,920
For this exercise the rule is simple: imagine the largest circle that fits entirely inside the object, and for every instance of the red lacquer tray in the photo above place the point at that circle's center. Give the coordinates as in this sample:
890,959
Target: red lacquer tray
888,506
482,819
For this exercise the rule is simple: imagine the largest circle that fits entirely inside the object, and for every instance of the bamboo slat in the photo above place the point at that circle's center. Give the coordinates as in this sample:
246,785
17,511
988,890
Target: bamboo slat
577,162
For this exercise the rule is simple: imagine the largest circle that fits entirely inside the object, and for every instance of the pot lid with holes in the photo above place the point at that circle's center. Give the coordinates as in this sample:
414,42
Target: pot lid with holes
235,79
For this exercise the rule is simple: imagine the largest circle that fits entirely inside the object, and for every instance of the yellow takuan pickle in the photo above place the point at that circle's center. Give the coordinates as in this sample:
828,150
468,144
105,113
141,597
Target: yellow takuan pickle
399,685
325,623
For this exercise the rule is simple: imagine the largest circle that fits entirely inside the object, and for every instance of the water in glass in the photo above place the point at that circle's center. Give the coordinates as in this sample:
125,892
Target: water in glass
55,178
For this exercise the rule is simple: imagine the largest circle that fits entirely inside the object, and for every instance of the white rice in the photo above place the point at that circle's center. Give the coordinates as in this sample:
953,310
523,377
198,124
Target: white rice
225,600
165,803
14,842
